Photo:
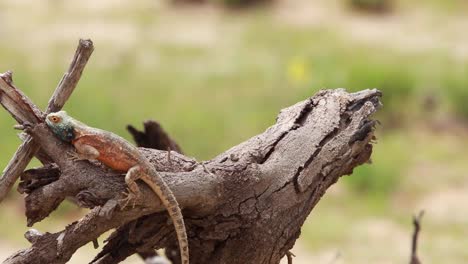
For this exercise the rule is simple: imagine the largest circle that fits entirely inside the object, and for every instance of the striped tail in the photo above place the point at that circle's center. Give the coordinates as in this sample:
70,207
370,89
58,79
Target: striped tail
168,199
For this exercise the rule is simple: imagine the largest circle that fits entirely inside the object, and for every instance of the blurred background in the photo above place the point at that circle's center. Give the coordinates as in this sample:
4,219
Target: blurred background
216,72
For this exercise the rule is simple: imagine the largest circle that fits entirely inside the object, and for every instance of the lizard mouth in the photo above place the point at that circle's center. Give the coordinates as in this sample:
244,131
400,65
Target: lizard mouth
63,130
47,121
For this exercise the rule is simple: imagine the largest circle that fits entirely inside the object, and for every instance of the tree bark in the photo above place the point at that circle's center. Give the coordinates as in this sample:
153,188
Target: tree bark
23,110
246,205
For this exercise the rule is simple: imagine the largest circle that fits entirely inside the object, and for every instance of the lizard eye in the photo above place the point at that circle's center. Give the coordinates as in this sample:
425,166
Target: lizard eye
55,119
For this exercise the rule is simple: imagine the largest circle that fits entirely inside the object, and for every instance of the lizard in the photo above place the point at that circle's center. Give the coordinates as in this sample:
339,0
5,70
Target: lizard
120,155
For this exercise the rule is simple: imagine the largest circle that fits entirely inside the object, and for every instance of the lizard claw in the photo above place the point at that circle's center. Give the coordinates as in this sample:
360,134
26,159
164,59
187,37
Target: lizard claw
26,127
74,156
130,197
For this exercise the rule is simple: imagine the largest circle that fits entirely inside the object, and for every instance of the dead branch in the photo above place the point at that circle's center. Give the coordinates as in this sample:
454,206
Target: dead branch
153,137
149,234
255,195
414,240
70,79
23,110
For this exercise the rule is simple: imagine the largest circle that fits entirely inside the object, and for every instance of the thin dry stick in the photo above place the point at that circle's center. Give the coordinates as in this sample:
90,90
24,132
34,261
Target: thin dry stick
17,101
70,79
414,243
290,256
22,110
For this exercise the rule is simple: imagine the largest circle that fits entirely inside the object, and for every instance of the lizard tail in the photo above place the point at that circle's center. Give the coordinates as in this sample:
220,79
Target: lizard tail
170,203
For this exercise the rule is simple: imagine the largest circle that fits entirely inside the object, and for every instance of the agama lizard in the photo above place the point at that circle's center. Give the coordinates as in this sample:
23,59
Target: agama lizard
120,155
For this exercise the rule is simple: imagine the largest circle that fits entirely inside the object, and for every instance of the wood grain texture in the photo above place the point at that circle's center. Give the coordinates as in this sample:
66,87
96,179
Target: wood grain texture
255,195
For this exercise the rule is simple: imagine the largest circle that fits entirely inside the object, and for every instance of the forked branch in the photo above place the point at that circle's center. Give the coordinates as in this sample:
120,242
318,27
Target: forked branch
255,195
23,110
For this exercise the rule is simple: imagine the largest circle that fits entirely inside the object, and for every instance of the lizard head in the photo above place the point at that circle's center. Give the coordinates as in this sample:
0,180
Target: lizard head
62,125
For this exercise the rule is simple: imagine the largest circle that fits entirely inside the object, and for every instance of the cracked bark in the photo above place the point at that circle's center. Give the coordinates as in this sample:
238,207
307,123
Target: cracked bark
246,205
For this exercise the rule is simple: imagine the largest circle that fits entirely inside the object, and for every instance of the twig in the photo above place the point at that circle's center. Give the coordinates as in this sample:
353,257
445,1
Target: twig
70,79
290,256
16,102
16,166
23,110
414,242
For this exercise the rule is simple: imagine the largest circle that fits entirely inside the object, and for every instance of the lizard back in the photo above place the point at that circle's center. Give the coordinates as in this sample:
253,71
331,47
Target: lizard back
114,151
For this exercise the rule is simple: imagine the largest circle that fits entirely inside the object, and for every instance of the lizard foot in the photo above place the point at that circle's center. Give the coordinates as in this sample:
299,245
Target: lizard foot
26,127
130,197
75,156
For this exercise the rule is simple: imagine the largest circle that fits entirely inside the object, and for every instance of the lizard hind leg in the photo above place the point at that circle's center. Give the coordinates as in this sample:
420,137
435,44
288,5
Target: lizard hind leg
133,191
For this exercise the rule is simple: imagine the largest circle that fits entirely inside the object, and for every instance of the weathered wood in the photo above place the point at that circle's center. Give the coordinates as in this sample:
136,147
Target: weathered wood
255,195
153,136
16,102
23,110
70,79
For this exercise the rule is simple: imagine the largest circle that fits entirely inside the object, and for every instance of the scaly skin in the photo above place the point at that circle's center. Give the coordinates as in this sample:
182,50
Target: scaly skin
118,154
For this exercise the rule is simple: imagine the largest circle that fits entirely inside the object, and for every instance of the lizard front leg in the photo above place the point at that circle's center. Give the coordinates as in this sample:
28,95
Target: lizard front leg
83,152
133,191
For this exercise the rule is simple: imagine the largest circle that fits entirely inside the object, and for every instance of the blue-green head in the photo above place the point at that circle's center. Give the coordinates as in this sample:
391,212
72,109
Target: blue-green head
62,125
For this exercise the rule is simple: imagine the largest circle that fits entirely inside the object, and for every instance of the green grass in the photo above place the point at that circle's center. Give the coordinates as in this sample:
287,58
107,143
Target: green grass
211,97
457,94
390,159
448,6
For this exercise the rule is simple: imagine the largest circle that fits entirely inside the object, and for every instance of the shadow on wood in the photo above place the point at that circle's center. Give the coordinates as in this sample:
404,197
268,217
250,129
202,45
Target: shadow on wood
247,205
